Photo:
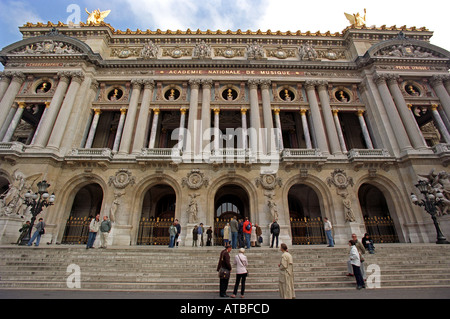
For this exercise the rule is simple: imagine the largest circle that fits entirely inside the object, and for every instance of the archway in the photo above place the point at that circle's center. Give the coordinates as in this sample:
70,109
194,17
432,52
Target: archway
305,215
377,217
230,200
86,204
158,213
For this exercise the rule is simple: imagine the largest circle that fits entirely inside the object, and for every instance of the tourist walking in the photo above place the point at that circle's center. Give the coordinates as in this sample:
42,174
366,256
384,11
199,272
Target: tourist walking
275,231
234,227
356,263
224,269
172,235
226,235
94,226
361,251
40,230
327,227
286,276
241,262
247,229
105,229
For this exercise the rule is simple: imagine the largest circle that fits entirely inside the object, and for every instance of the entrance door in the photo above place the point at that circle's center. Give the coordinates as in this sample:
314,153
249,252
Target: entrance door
87,204
377,217
230,200
306,216
158,213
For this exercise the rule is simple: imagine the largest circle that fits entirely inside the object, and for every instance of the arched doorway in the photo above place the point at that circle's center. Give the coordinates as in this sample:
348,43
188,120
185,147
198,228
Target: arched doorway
230,200
86,204
158,213
306,216
377,217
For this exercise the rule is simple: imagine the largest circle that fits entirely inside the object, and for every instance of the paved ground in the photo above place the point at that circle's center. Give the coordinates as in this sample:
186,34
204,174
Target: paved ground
400,293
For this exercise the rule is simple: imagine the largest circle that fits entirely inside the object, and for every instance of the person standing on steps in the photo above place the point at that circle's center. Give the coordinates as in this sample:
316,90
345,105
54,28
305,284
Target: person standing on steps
234,227
275,231
241,262
105,229
286,275
327,227
356,264
224,269
40,230
93,230
247,229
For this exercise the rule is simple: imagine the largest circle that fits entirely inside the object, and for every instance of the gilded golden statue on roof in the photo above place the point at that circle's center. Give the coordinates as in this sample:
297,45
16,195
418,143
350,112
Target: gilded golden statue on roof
96,16
356,19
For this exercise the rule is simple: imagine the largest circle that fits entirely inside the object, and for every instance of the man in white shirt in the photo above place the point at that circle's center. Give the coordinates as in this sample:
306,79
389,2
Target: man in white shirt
327,226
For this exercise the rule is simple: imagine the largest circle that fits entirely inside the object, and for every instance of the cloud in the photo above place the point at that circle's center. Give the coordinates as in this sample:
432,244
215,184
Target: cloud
17,13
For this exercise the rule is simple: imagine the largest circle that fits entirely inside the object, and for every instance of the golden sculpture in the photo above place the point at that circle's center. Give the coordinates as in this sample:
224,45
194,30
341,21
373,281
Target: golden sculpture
356,20
96,16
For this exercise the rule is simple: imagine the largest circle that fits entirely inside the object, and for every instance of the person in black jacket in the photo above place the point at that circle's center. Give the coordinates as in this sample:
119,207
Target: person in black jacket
224,262
275,231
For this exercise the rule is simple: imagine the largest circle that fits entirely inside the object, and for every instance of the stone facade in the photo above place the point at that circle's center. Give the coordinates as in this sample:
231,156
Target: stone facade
199,126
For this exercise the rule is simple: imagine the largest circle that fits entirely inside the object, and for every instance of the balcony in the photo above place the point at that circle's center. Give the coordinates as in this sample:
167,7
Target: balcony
370,157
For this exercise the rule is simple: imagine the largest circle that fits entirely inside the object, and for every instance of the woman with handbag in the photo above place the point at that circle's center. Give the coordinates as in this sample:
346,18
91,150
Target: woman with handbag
224,269
241,263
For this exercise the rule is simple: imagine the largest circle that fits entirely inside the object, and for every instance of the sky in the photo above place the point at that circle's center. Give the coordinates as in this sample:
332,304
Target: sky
283,15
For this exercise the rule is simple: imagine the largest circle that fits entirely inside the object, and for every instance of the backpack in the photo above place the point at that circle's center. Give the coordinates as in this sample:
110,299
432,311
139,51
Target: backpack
249,226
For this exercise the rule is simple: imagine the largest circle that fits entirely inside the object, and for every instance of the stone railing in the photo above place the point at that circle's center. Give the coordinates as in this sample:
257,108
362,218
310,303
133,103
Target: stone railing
90,153
367,153
156,154
300,153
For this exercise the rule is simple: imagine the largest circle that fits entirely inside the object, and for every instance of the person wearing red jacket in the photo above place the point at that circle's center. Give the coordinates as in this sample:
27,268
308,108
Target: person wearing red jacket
247,232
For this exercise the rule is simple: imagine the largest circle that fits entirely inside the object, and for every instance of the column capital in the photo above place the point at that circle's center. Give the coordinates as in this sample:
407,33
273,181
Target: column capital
17,76
97,111
360,112
136,83
156,110
244,111
276,111
253,83
334,111
322,84
195,83
183,110
21,105
303,111
148,84
216,110
77,76
310,84
123,111
63,76
439,79
265,84
380,78
47,104
434,107
207,83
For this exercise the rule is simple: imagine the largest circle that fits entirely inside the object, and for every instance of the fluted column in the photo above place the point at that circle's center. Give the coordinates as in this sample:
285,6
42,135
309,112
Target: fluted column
279,137
319,130
440,123
15,121
8,98
181,129
143,118
154,129
330,126
410,124
254,118
191,141
437,82
339,131
268,118
4,83
48,118
206,117
93,128
216,129
391,110
128,129
306,128
118,137
65,111
364,129
9,118
244,127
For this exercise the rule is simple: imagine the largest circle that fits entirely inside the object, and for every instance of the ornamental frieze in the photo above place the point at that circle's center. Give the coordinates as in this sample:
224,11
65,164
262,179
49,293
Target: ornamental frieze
195,180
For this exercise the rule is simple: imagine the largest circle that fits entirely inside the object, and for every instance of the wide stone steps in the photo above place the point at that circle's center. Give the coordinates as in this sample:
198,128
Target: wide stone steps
194,269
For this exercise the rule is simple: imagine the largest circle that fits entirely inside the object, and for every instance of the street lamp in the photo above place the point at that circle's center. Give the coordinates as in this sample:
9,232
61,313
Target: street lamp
36,202
430,202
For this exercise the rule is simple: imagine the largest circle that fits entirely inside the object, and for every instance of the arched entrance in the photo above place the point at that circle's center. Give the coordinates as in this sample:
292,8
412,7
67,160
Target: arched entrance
306,216
158,213
86,204
377,217
230,200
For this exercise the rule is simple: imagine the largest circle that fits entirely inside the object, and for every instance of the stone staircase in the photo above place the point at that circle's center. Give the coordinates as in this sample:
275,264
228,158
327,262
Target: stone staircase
188,269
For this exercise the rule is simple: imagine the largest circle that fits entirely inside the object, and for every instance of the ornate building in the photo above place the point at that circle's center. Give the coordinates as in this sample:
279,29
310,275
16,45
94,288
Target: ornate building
149,126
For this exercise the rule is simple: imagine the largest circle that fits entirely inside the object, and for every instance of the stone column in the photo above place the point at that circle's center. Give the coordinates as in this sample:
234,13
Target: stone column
339,131
306,129
319,130
267,116
441,92
48,118
181,129
330,126
93,129
143,117
440,123
4,83
9,118
394,118
364,129
64,113
191,141
410,124
128,129
154,130
279,131
8,98
244,127
15,121
118,137
254,119
206,118
216,130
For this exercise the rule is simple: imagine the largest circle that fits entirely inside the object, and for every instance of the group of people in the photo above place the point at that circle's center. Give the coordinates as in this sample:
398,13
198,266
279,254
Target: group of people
242,234
355,264
285,267
197,236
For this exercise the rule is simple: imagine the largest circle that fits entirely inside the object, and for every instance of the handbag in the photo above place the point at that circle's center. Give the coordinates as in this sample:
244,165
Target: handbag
42,231
224,273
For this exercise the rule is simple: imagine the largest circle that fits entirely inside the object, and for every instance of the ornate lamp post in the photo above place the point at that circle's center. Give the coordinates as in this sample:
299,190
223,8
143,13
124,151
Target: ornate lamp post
429,203
36,202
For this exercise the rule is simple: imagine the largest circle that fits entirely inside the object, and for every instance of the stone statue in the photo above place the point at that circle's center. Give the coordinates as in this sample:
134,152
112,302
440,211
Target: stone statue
96,16
255,51
149,51
307,53
272,206
193,209
202,51
115,206
349,215
356,20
